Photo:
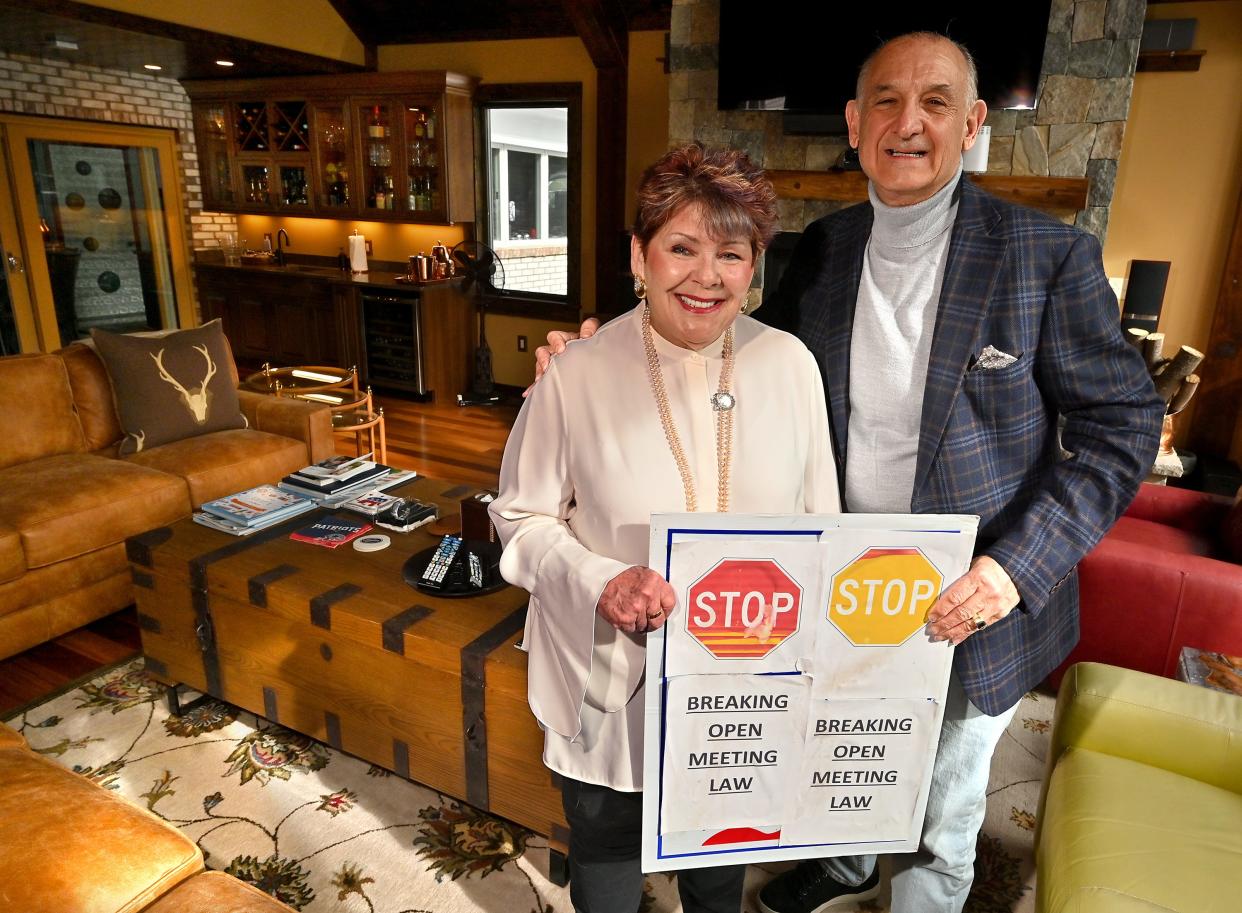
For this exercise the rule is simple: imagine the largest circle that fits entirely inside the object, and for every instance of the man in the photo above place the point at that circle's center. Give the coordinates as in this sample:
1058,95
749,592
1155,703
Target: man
953,330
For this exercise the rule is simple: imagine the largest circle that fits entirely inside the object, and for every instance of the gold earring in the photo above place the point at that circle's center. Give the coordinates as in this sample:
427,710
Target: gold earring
640,287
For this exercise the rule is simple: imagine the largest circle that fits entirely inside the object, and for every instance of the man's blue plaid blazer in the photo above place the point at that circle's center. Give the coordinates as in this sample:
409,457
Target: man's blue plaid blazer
1035,288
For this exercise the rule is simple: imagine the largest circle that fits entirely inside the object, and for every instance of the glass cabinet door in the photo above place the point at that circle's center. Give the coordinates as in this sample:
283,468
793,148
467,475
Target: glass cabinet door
213,155
378,140
294,190
423,156
256,185
332,158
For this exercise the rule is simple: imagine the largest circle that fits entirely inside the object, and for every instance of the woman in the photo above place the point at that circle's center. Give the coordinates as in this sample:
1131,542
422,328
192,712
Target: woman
678,405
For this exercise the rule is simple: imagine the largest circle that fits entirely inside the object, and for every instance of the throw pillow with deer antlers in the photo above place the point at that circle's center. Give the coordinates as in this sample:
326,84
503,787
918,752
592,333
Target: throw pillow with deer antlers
170,387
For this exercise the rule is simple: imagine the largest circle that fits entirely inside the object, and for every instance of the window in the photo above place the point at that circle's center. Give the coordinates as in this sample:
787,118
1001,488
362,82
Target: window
530,216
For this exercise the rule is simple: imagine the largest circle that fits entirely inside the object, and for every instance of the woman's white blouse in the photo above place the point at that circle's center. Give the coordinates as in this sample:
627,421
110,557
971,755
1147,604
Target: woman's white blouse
585,467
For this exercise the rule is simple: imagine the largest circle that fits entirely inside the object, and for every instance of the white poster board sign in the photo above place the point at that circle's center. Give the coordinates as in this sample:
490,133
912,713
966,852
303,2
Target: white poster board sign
794,700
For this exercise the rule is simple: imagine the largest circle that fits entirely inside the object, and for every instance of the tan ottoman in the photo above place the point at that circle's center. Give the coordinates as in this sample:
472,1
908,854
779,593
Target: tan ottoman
71,846
215,892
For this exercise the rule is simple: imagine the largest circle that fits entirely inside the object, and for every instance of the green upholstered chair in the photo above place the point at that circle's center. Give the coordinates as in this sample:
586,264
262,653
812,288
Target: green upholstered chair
1141,806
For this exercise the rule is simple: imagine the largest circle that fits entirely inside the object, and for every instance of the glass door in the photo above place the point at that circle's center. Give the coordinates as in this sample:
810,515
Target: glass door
100,216
17,326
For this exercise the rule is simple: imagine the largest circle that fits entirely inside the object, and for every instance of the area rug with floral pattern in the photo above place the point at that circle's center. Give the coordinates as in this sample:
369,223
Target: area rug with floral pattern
323,831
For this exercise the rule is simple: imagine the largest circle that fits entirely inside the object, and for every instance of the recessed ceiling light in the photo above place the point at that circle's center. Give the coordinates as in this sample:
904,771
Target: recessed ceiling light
152,66
224,63
64,44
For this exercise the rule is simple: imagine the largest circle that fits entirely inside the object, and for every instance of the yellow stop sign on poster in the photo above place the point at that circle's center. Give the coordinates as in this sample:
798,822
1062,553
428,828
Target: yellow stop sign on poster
881,597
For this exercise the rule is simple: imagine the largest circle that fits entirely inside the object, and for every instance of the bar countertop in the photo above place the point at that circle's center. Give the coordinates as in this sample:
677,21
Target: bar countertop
383,275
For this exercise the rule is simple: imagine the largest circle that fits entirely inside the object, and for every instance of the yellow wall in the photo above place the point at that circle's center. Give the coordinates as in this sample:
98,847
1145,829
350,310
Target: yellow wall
1180,174
310,26
646,116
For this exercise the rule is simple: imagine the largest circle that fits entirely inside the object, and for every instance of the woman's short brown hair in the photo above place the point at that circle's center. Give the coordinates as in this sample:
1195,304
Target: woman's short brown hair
736,198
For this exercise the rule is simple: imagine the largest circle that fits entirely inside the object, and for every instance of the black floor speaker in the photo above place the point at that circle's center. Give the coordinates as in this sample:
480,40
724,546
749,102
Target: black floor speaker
1145,294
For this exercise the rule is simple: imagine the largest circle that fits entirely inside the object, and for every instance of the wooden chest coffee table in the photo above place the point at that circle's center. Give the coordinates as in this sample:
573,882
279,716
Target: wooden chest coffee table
332,643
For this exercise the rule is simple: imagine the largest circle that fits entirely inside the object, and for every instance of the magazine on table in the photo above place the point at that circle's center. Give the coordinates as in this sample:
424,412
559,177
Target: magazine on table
337,467
314,488
331,531
261,505
394,478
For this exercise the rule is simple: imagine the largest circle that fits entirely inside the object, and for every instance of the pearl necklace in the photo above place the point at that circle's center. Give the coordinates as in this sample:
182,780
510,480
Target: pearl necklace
722,401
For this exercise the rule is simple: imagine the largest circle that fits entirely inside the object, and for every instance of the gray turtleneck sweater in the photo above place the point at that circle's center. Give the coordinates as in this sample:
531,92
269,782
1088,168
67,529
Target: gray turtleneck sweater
902,272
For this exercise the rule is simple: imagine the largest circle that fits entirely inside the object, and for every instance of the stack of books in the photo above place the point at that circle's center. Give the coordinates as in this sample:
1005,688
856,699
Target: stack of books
331,483
252,510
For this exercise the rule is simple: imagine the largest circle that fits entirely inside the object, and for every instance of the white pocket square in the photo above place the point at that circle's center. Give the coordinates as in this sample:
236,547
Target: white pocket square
992,358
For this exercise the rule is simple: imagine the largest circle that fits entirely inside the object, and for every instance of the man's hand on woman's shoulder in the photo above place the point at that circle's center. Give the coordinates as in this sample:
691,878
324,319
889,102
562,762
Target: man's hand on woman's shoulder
557,340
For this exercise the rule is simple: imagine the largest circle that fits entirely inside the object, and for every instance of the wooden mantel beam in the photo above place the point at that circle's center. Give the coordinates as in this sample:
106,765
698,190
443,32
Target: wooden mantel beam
1059,196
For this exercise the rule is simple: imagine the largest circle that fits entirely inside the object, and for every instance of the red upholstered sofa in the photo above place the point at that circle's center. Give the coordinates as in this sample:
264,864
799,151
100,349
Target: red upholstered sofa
1165,577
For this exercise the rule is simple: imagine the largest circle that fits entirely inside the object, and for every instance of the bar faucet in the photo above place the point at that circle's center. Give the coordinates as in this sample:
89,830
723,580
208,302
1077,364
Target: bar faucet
280,249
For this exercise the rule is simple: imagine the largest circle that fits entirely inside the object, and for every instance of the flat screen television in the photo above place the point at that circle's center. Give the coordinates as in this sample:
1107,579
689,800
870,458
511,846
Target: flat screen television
802,58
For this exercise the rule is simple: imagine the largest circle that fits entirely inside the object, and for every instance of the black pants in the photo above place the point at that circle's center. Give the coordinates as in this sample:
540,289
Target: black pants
605,844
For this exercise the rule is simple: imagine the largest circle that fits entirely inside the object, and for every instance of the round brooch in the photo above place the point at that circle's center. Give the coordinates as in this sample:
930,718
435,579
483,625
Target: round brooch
723,402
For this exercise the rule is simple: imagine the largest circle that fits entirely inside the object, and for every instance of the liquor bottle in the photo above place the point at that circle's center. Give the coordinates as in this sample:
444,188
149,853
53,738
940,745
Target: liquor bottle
379,201
375,128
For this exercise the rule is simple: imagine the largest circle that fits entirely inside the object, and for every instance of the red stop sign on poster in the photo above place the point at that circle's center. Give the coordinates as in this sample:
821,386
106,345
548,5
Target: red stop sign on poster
743,608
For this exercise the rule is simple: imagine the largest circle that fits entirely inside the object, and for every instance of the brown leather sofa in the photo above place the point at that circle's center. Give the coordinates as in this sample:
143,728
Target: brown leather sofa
69,845
68,502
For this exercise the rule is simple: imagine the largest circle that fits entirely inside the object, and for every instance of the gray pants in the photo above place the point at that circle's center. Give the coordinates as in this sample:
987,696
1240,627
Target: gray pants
605,843
937,878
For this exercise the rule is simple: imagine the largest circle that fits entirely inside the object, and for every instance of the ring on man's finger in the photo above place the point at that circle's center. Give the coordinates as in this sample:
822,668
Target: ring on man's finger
980,624
652,616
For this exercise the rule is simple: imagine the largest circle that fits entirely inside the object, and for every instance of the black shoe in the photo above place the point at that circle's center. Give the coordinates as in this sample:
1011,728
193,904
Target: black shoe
810,889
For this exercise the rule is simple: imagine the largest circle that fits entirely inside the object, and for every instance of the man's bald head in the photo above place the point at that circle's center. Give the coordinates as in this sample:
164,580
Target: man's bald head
968,61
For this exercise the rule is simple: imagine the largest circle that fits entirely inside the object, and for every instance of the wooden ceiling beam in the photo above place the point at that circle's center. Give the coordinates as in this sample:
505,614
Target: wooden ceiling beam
602,26
370,51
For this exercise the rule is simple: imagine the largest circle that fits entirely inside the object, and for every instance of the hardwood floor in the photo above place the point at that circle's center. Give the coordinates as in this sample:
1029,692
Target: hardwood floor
443,441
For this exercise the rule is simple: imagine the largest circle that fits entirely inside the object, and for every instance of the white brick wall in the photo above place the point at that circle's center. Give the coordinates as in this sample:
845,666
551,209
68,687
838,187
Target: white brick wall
536,274
54,88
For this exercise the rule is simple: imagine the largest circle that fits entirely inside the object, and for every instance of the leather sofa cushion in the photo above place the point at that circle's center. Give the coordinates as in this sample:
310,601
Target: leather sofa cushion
224,462
11,738
36,411
92,394
68,505
216,892
48,601
12,556
171,387
1117,826
71,846
1168,539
